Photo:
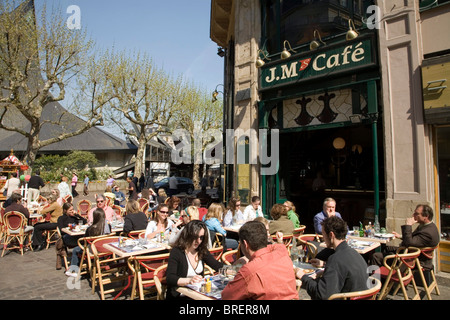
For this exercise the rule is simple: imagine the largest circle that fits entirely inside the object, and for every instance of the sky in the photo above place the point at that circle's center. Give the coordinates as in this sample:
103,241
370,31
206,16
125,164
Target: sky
174,33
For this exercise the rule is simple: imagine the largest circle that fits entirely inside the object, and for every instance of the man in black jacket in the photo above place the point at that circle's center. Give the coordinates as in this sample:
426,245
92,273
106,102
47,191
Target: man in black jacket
36,182
345,270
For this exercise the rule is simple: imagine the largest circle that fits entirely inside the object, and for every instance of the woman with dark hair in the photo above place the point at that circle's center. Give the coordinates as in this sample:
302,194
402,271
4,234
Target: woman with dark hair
187,258
69,216
135,219
99,227
174,203
234,214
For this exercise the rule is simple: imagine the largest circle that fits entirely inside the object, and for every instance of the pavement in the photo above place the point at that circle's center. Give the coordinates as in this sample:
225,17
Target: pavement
33,276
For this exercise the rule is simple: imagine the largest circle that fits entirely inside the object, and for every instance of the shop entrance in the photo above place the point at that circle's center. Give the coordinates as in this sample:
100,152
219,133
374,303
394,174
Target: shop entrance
337,163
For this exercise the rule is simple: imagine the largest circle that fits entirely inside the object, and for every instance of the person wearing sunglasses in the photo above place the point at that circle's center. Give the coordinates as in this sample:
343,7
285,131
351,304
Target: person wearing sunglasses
187,258
109,212
160,223
191,213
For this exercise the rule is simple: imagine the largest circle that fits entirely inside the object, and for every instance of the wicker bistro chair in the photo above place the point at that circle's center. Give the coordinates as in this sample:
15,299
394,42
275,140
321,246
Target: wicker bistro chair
68,198
142,271
2,224
306,242
143,204
428,284
369,294
299,231
83,207
397,269
87,257
216,252
118,210
16,228
287,239
230,257
107,269
159,277
51,236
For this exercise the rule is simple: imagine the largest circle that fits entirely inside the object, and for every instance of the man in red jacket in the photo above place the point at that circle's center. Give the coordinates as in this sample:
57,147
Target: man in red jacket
269,274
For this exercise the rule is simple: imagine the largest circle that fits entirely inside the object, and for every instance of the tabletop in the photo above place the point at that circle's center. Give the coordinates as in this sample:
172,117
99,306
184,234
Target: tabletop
233,228
361,246
193,291
135,249
381,238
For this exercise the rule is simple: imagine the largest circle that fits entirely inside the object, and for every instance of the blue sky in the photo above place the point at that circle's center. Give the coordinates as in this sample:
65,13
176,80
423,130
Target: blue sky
175,33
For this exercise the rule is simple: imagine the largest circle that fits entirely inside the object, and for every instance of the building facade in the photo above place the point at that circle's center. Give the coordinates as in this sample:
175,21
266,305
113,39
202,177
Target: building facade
359,103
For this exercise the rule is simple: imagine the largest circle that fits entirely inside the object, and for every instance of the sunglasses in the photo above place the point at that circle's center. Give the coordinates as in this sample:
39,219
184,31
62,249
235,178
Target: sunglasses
164,212
201,238
100,201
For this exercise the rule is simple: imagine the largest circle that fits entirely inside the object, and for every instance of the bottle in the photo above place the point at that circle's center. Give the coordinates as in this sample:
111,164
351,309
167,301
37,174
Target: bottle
162,237
361,229
208,285
376,226
294,251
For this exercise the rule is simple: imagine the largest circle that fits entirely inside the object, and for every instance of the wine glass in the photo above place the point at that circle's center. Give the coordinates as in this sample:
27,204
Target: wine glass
301,254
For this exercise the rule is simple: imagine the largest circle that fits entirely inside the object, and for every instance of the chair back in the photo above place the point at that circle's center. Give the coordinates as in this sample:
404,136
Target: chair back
218,240
97,245
143,204
287,239
68,198
41,200
230,257
217,252
428,252
118,210
299,231
15,221
159,276
83,207
369,294
135,234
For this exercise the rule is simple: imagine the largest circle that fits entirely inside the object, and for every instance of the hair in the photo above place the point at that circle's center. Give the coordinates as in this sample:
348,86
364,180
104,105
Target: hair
196,202
232,204
336,225
132,206
15,197
256,198
66,206
145,193
263,220
192,212
215,210
52,198
189,234
162,192
427,211
255,234
64,178
328,200
98,225
290,205
57,192
172,201
277,211
100,196
14,174
37,172
108,189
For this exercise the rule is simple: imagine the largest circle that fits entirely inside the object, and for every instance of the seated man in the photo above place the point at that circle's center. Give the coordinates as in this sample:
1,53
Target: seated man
425,235
328,210
16,205
268,275
109,212
345,270
119,196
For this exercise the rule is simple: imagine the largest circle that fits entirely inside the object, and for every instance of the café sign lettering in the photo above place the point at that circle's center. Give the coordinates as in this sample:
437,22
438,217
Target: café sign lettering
343,58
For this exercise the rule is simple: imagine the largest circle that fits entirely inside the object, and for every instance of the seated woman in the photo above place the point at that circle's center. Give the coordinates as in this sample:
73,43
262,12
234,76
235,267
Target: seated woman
189,214
69,216
54,210
174,210
99,227
135,219
291,214
212,221
234,214
281,222
161,223
59,199
187,258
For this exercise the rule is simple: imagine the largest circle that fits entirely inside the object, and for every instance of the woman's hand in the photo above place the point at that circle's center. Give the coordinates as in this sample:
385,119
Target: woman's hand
195,279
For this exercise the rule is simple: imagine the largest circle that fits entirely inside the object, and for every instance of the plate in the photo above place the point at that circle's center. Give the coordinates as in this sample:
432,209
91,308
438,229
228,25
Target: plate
384,235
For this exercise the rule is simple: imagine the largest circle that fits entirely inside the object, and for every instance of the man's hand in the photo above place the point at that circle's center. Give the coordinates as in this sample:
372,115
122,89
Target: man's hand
410,221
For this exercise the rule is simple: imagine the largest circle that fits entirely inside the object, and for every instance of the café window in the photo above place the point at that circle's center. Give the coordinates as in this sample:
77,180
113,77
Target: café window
443,150
296,21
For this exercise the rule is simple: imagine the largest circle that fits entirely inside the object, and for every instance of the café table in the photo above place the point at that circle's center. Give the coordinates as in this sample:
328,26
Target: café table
34,218
80,231
193,291
135,248
381,238
362,246
233,228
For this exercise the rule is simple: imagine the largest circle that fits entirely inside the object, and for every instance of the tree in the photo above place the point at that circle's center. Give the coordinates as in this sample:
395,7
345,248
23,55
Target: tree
202,119
145,99
37,63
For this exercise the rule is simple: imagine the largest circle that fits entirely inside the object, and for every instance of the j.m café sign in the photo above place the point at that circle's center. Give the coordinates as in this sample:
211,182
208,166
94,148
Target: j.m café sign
322,63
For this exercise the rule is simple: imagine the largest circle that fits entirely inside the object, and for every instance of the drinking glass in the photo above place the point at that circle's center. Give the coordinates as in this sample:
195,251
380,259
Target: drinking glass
355,230
301,255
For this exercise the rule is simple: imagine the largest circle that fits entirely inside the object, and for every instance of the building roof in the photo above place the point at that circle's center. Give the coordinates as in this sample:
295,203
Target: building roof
94,139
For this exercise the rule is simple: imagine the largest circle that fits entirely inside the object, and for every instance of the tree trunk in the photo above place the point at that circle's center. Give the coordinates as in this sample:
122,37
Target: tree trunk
196,175
33,147
139,165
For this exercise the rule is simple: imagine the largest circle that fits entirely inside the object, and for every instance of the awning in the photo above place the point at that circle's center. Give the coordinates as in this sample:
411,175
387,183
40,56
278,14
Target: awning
126,168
